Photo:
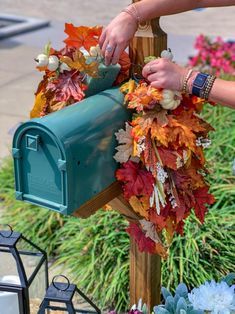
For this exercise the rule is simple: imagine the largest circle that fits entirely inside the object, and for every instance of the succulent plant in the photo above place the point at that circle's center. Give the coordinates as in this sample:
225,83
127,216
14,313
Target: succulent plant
140,308
178,304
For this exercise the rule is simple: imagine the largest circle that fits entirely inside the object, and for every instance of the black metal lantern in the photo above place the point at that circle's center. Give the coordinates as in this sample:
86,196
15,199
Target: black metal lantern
66,298
23,274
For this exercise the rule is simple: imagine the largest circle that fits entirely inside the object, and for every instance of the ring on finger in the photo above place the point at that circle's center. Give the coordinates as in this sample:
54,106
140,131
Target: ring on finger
109,49
150,69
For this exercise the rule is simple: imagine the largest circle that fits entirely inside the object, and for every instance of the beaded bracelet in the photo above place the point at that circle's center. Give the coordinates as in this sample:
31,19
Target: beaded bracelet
209,83
185,82
133,13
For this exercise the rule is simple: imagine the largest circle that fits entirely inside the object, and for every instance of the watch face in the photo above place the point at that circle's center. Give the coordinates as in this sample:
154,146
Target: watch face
200,80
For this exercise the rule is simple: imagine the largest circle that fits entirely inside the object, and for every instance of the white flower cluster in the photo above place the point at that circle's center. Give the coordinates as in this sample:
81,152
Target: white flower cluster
204,142
214,298
161,174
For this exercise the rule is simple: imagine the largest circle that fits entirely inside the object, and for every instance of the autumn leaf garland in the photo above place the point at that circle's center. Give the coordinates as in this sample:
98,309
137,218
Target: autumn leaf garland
162,164
65,70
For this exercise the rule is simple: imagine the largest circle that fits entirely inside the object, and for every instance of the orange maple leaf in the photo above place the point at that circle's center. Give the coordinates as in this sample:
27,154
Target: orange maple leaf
82,36
40,102
143,97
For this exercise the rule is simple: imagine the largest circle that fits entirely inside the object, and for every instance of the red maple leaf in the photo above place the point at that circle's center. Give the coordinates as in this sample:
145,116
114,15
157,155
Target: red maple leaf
158,220
137,181
67,86
82,36
169,157
144,244
125,64
201,199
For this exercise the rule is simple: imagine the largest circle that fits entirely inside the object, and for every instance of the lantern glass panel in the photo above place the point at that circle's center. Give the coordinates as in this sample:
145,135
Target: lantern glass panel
80,303
60,305
37,289
9,301
30,256
8,267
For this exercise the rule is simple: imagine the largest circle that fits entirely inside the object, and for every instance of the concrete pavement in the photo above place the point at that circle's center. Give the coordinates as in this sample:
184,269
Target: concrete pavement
18,77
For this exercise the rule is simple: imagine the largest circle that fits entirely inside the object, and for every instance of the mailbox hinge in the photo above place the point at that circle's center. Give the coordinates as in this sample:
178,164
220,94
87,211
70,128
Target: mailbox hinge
61,165
16,153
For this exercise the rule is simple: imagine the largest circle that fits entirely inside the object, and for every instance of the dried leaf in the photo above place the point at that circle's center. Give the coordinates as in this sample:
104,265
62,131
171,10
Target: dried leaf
82,36
40,101
144,244
79,63
68,86
139,205
201,199
125,150
136,181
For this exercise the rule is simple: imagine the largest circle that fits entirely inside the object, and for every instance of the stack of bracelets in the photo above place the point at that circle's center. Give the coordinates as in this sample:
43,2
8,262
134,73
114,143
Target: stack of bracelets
195,83
198,84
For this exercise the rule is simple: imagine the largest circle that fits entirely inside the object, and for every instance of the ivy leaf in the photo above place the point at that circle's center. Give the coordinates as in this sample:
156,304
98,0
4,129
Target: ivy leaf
67,86
82,36
137,181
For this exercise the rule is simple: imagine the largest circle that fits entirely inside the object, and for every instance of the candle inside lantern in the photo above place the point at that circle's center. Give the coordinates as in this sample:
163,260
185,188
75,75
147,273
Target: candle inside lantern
9,302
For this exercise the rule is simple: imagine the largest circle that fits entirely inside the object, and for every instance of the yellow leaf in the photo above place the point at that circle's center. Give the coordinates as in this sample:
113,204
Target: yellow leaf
140,206
40,101
79,63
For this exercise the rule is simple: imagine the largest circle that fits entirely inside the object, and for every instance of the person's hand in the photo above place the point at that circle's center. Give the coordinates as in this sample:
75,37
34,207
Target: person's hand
116,37
163,73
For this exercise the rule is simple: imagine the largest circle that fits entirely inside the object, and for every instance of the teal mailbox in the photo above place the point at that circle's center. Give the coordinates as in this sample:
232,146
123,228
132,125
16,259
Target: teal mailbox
65,159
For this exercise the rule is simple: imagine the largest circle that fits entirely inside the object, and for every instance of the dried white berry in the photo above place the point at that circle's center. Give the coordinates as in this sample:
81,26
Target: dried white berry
64,67
42,60
53,63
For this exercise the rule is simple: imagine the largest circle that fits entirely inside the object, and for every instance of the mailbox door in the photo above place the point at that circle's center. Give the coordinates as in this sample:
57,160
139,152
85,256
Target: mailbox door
40,170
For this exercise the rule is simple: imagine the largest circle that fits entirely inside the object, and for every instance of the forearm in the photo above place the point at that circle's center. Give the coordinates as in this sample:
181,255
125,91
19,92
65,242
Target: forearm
223,92
149,9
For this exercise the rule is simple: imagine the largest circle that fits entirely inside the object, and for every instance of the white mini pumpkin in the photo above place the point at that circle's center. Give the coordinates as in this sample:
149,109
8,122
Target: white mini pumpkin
170,99
167,54
64,67
53,63
42,60
95,51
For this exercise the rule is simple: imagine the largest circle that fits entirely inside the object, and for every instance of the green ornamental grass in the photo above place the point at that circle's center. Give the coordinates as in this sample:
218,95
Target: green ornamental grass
95,252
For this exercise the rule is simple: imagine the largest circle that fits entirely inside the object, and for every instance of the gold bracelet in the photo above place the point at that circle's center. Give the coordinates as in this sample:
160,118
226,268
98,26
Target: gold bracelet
185,82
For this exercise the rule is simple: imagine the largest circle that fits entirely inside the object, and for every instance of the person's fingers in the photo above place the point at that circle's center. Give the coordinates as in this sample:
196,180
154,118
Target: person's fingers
103,48
108,54
102,38
149,68
116,55
152,77
156,84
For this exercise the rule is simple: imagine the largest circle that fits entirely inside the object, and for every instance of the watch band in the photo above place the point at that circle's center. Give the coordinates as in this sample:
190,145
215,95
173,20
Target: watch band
199,84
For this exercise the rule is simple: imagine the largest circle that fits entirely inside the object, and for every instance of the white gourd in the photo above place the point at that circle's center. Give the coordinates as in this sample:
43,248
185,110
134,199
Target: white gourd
171,99
53,63
64,67
95,51
167,54
42,60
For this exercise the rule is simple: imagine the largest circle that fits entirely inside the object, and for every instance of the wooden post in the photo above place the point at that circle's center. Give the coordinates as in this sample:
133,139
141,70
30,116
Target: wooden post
145,269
